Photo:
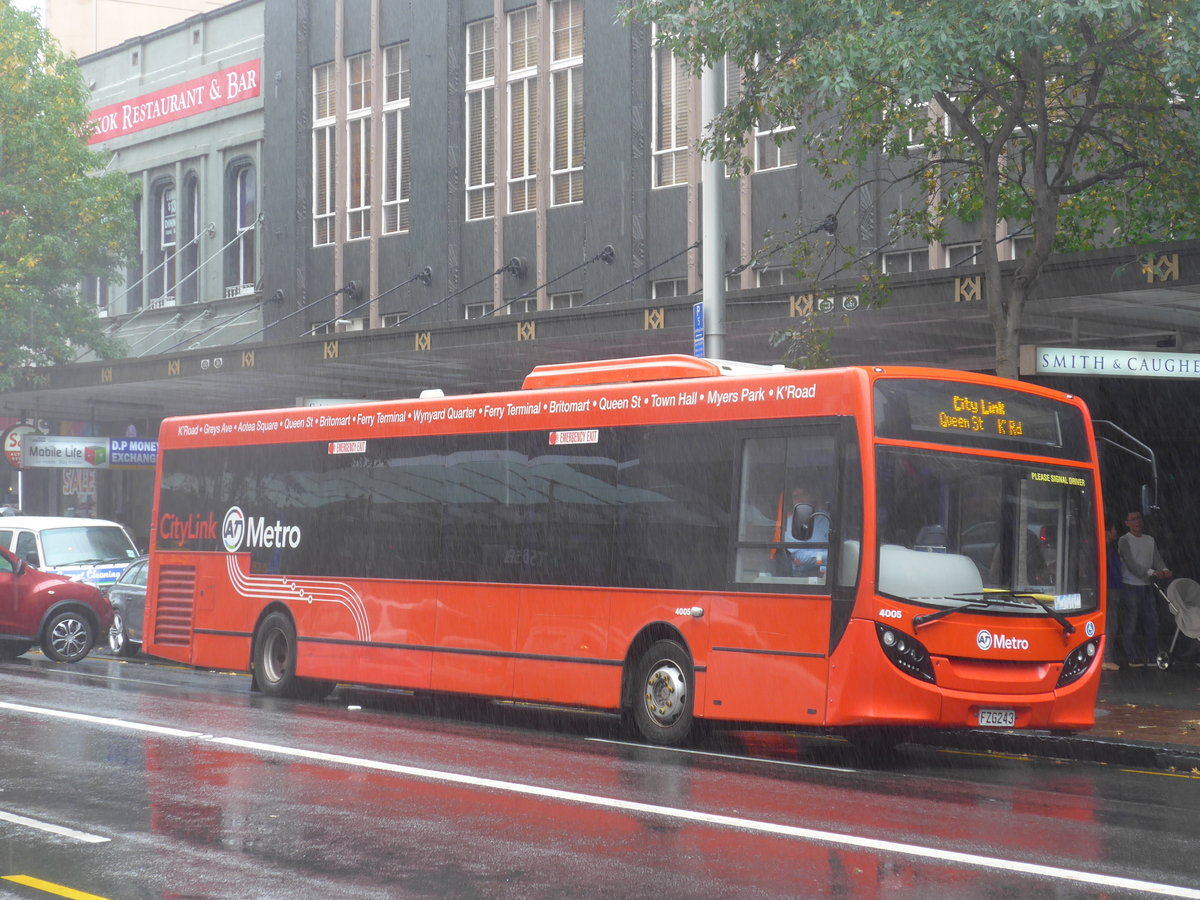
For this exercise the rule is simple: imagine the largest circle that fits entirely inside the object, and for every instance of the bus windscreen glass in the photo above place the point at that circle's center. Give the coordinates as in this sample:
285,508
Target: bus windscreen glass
956,527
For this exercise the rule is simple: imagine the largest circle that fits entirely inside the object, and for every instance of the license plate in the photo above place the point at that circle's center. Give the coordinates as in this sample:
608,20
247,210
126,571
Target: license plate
997,718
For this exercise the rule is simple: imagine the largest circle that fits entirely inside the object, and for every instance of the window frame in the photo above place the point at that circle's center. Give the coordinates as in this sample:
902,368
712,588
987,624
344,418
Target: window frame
669,145
479,108
324,155
523,118
567,125
359,78
397,156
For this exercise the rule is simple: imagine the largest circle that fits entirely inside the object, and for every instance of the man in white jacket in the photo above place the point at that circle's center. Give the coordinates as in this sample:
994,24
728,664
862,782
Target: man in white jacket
1142,565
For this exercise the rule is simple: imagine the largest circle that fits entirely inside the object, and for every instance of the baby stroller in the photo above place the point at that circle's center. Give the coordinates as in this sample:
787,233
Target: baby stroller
1183,599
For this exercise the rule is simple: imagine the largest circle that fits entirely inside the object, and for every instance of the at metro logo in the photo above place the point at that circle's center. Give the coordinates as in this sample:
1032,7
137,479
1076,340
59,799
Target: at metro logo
255,532
986,640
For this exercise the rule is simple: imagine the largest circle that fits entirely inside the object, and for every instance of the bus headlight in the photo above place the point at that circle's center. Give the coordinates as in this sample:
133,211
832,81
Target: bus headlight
1078,661
906,652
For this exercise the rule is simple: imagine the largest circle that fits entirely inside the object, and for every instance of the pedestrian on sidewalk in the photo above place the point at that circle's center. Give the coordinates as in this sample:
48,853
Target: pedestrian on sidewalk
1142,565
1116,655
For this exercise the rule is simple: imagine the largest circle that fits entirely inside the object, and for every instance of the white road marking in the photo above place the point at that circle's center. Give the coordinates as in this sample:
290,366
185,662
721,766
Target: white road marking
734,756
53,829
940,855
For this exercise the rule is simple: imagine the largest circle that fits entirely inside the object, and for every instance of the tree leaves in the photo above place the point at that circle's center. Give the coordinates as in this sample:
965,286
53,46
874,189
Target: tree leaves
61,217
1072,121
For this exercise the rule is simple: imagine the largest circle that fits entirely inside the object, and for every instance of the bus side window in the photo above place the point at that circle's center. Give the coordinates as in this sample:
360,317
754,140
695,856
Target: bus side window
784,514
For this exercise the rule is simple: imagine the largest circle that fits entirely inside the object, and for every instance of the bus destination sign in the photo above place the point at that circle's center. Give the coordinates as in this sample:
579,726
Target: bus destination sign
966,414
980,414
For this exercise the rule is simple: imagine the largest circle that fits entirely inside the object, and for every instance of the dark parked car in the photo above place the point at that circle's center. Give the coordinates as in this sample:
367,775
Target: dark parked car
128,598
64,616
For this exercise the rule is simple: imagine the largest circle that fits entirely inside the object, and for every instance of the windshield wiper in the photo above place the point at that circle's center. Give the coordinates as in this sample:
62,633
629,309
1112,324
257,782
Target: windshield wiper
1040,601
925,619
91,562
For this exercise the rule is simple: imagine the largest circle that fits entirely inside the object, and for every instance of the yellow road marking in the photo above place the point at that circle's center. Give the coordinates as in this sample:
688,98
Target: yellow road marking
50,888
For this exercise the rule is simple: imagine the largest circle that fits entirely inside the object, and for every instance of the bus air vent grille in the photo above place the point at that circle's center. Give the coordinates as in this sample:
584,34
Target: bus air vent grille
176,603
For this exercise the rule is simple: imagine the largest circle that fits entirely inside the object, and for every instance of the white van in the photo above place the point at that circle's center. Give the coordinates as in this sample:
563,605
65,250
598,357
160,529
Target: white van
92,550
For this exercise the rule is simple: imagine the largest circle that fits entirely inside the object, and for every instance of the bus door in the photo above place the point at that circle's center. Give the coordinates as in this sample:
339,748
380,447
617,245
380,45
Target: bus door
771,631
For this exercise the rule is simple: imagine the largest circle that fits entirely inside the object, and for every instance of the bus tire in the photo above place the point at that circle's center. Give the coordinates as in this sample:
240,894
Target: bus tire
275,651
662,694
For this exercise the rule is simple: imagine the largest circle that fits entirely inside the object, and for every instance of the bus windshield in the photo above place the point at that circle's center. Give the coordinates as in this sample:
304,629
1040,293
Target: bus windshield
956,527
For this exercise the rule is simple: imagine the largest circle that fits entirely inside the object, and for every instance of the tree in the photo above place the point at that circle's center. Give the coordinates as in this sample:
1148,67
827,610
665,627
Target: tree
1070,121
60,218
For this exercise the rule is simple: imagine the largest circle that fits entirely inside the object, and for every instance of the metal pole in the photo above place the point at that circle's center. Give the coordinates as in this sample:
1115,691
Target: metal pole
712,178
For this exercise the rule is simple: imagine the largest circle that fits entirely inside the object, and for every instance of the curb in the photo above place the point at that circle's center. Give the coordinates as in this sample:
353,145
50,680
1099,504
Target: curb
1072,747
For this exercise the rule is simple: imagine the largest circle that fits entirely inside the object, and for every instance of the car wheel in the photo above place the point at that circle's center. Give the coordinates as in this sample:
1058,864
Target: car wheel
275,661
13,649
68,637
118,636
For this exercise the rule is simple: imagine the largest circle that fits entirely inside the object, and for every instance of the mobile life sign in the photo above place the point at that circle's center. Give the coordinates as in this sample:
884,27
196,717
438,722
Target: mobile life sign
46,451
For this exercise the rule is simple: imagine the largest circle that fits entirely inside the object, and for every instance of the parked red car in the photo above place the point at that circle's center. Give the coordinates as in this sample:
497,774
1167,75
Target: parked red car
64,616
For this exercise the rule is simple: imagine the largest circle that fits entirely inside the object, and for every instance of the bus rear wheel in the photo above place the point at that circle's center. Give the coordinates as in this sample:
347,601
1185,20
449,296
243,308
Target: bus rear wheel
275,661
662,694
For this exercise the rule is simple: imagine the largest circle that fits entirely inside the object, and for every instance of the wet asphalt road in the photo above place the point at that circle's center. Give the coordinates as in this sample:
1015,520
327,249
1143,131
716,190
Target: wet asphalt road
145,780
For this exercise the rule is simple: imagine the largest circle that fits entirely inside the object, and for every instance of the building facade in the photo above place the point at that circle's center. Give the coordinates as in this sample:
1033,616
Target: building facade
528,156
181,111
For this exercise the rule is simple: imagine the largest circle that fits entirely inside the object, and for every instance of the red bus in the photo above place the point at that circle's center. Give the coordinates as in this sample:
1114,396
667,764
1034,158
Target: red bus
676,538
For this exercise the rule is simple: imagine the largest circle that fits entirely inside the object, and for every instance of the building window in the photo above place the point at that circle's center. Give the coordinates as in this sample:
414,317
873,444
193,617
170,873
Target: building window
188,288
521,305
324,111
775,146
168,232
566,299
906,261
966,254
95,294
668,287
397,166
475,310
566,83
480,109
522,109
391,320
241,272
672,100
358,146
337,326
777,275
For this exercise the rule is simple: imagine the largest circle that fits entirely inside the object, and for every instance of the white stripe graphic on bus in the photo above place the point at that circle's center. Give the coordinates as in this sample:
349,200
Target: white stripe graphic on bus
280,587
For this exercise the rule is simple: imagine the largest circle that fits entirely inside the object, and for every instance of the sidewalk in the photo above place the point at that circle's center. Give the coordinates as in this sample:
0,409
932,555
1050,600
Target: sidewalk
1145,718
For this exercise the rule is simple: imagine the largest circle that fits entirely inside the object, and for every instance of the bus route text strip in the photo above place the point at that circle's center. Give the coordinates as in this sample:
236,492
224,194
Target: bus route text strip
494,411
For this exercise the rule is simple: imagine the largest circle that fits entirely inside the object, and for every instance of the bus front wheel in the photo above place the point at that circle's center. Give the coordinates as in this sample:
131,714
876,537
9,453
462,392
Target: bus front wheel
275,661
662,694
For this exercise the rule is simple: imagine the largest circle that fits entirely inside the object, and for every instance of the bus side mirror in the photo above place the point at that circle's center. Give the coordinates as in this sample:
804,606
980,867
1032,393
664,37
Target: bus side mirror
1149,501
802,517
